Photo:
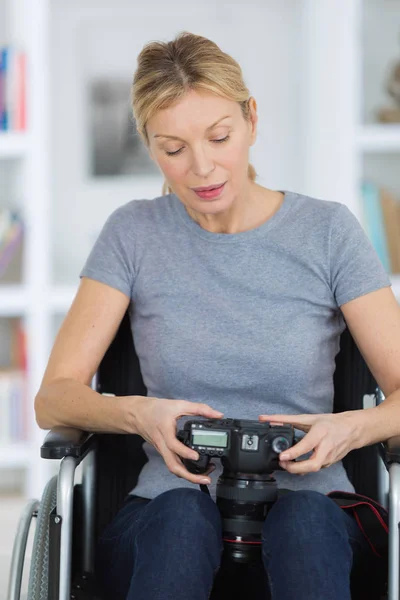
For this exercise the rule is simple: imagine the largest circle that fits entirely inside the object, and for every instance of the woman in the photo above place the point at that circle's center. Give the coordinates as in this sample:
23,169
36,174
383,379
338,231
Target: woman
237,298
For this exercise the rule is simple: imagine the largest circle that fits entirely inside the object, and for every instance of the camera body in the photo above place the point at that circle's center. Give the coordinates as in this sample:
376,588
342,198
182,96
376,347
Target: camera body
246,490
242,445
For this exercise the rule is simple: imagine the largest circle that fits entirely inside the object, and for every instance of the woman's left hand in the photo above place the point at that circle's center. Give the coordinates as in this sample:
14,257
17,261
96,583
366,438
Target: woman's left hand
329,436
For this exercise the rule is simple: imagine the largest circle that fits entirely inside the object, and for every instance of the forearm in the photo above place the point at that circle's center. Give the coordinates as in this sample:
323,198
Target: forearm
67,402
380,423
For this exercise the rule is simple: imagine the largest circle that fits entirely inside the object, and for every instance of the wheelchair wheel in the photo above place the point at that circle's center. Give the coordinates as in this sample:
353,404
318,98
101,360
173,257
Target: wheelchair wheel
39,569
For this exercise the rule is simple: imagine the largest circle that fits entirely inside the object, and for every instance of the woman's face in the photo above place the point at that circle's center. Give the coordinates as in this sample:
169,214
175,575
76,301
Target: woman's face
203,140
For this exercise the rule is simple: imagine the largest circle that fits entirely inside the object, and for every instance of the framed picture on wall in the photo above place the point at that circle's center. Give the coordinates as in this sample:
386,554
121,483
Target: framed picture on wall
115,146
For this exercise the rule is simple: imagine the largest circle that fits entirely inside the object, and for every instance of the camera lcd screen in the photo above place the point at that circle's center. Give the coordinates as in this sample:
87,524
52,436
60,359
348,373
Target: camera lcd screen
210,438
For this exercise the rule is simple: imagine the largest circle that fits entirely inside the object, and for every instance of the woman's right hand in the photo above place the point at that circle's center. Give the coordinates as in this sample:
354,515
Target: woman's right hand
155,420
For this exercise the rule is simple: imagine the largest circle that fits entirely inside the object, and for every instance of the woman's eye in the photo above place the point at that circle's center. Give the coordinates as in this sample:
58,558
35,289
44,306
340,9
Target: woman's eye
217,141
173,153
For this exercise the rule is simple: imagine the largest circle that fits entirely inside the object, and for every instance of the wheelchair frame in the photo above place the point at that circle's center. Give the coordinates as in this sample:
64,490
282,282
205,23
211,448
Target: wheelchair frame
74,446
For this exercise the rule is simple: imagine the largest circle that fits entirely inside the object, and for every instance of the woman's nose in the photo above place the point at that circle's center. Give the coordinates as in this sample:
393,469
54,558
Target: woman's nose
203,165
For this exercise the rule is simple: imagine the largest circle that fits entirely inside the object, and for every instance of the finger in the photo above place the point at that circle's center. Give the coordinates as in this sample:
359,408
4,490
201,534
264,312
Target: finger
302,422
176,467
312,465
199,408
175,445
316,462
309,442
181,450
172,442
281,418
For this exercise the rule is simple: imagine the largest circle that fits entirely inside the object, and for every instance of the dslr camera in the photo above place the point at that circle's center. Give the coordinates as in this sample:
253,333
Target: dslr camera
249,453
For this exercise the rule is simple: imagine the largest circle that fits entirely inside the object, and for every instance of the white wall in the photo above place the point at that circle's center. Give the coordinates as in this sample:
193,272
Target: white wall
106,37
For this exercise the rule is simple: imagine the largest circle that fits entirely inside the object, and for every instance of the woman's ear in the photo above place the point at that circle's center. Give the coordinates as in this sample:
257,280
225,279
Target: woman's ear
150,153
253,117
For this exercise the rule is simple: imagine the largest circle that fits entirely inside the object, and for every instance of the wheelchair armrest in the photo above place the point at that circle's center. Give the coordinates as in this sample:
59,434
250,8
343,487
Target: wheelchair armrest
390,450
67,441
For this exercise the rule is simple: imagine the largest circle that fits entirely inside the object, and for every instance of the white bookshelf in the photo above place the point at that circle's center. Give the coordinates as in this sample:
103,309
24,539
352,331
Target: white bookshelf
339,138
61,297
332,148
26,24
14,145
378,138
13,300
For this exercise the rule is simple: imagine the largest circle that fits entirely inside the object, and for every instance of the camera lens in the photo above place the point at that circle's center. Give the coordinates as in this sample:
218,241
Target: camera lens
279,444
244,502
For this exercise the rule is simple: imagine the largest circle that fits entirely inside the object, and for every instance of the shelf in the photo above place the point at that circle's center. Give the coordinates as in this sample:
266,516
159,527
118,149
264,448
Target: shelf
13,144
14,455
61,297
13,300
396,285
379,138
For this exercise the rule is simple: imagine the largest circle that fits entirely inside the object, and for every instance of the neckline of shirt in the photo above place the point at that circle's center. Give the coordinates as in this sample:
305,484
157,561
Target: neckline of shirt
233,237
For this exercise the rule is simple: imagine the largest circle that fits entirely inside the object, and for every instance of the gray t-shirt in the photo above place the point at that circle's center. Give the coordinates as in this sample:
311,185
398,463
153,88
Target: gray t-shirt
248,323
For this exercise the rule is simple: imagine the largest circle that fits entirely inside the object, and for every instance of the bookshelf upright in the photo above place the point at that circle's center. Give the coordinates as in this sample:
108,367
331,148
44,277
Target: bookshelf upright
27,154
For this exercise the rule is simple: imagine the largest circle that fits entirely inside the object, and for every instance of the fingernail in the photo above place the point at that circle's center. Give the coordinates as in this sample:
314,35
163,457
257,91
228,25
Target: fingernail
205,480
284,456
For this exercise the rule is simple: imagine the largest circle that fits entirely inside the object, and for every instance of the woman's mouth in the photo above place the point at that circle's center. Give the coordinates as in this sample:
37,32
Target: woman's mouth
210,194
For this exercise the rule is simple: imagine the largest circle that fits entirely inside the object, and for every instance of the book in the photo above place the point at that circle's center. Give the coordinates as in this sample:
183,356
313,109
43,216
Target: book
13,388
374,222
13,74
13,415
391,216
11,237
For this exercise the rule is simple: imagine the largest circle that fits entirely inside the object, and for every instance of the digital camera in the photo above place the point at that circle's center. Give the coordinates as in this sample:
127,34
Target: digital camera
246,489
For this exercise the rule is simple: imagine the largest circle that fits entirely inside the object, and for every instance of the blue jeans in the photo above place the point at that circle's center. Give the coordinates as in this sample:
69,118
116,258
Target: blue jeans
170,548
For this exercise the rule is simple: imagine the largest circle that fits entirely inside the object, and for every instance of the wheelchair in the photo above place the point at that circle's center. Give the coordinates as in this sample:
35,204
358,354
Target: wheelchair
71,516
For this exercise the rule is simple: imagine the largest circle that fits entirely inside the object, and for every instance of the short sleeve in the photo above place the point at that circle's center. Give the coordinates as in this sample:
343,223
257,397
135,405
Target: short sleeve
111,259
355,266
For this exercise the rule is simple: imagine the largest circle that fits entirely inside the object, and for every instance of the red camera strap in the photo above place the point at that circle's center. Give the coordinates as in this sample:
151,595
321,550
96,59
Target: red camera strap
371,517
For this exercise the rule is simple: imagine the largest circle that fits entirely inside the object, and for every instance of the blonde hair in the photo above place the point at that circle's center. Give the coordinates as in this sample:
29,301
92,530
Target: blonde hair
167,70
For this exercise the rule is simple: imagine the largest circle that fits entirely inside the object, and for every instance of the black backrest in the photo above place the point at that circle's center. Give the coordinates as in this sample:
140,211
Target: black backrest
121,457
352,380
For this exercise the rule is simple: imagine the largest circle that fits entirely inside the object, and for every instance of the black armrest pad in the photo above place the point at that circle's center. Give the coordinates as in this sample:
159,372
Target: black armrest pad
67,441
392,449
